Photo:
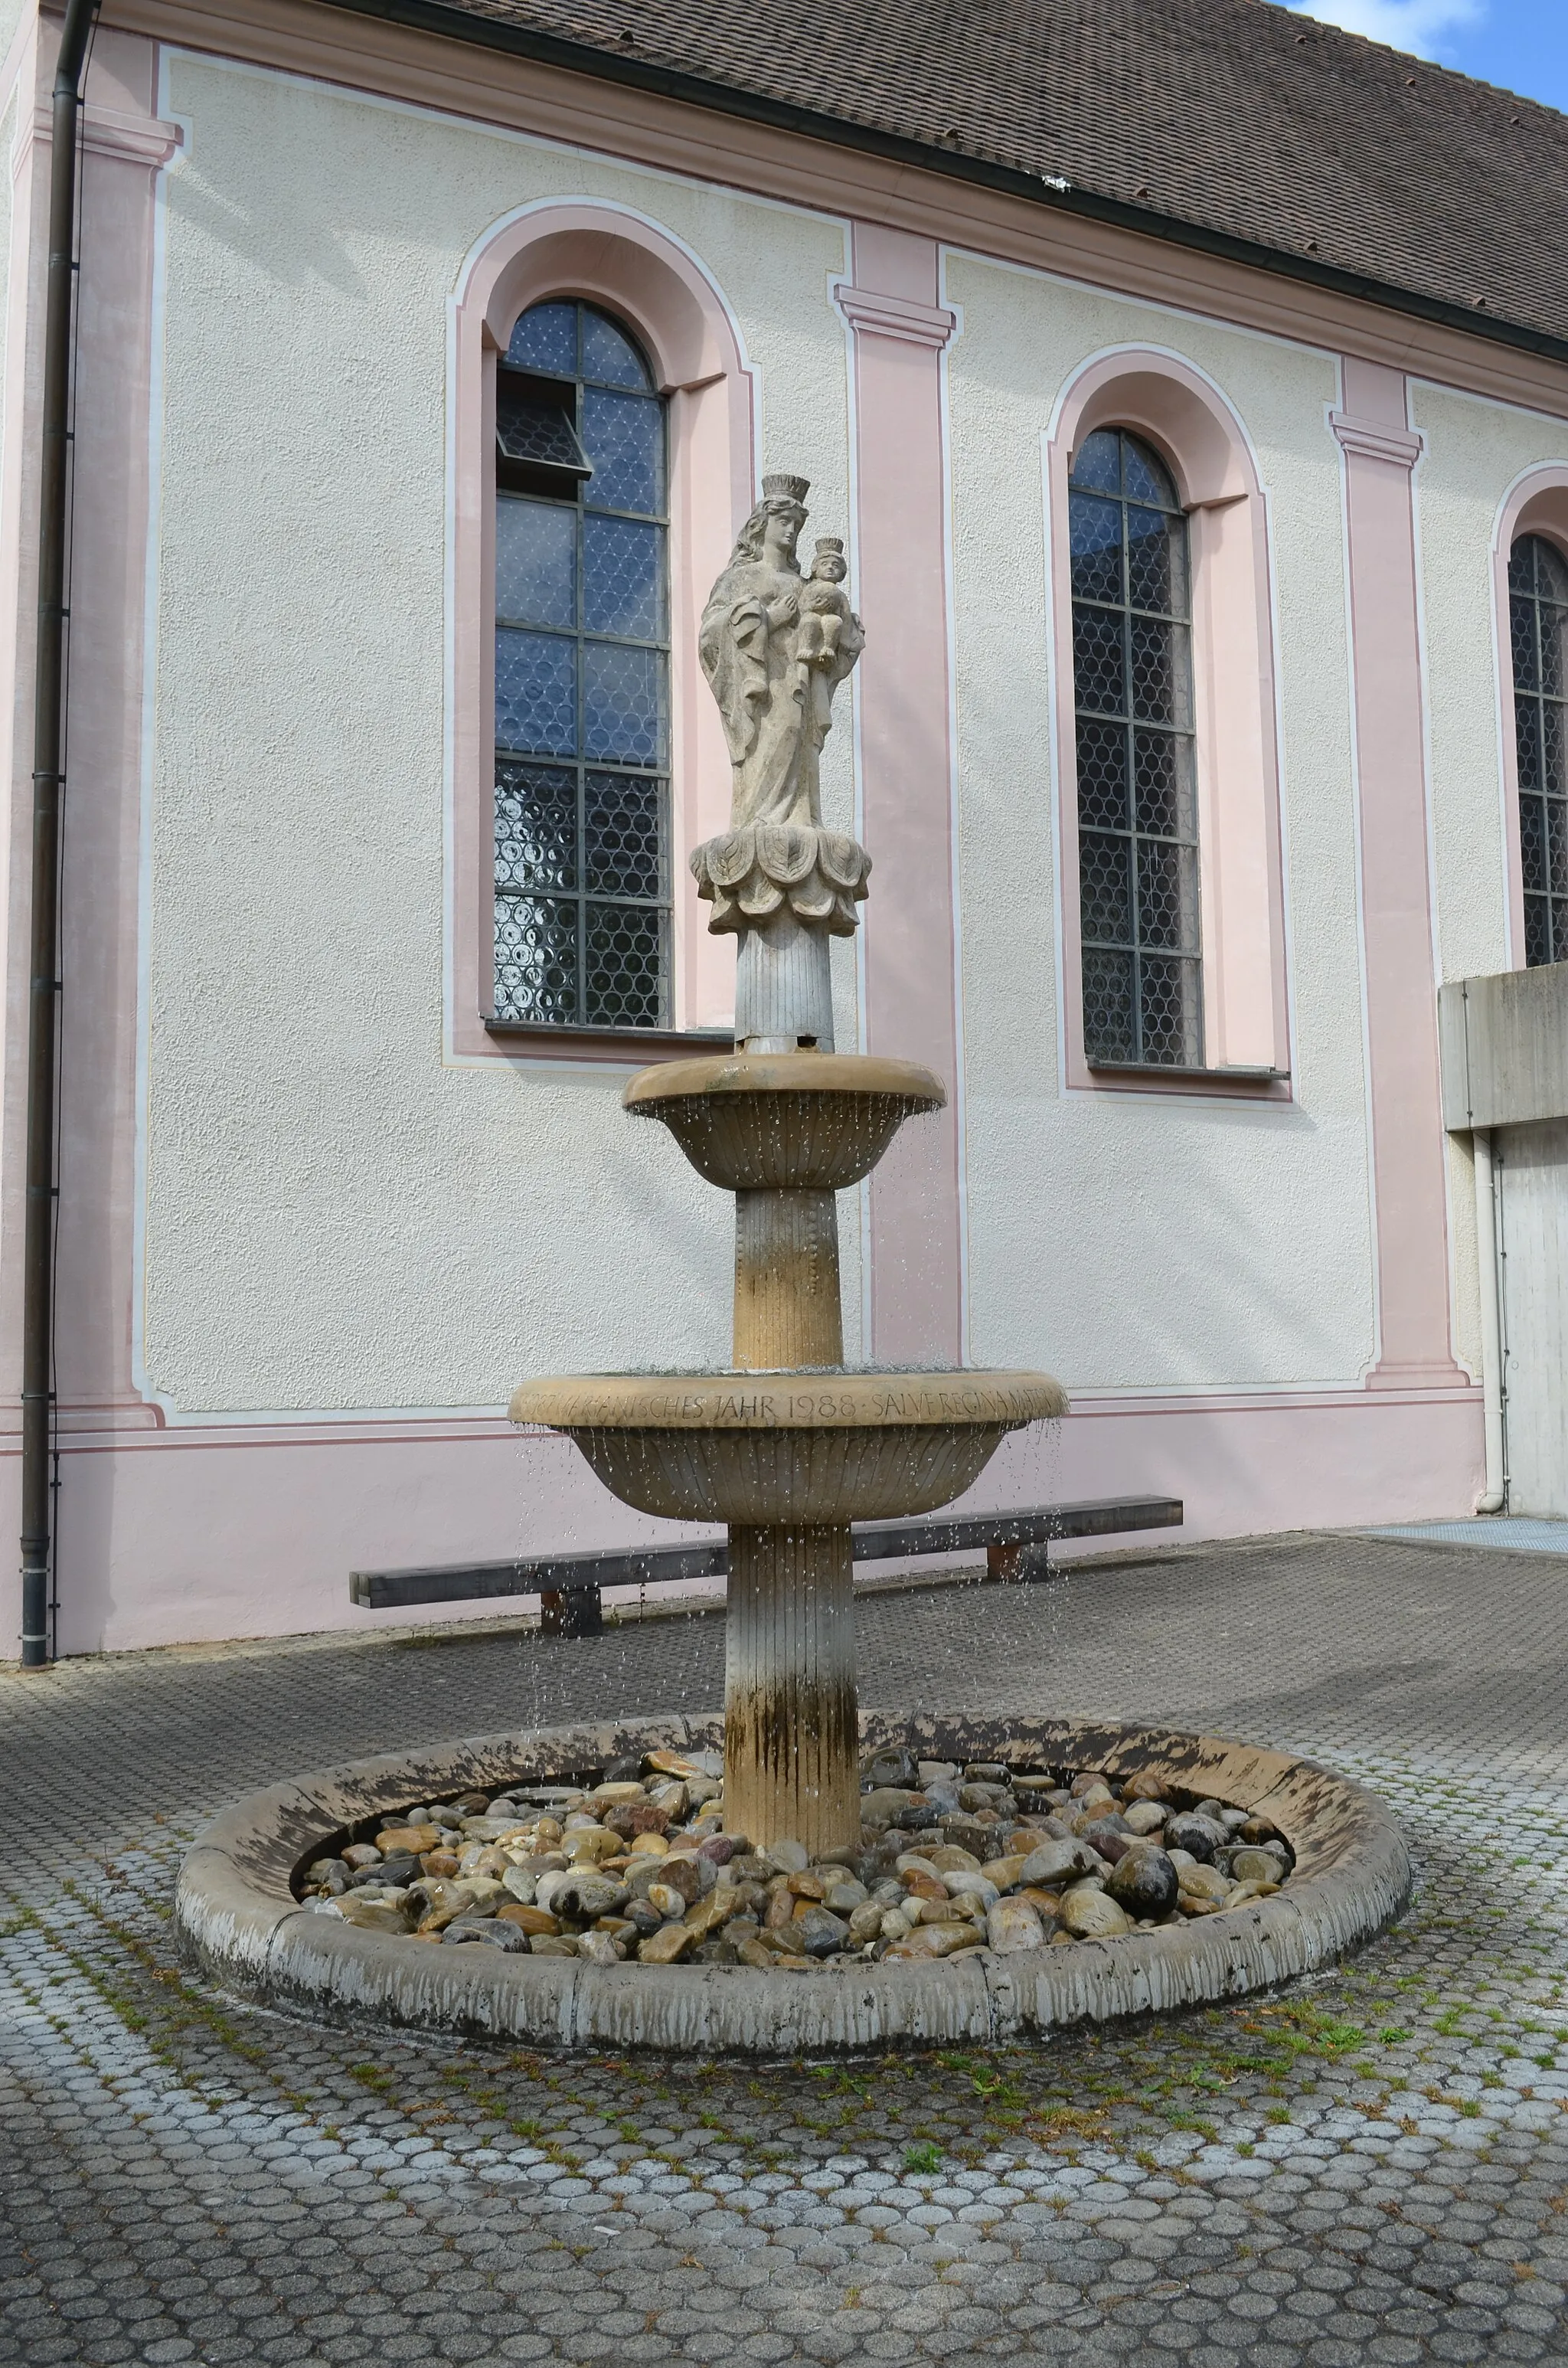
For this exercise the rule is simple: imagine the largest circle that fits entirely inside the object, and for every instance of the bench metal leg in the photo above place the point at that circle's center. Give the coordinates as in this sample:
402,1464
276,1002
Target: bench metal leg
570,1612
1018,1562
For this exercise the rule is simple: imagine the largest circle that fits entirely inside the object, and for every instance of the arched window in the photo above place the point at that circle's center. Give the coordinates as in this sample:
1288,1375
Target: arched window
1137,785
1537,602
582,676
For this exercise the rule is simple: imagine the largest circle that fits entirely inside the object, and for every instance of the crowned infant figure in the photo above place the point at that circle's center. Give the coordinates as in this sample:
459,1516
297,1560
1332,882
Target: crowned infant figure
824,611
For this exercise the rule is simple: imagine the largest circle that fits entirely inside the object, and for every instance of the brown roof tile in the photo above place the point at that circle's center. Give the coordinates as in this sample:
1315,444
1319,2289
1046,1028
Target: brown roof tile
1219,119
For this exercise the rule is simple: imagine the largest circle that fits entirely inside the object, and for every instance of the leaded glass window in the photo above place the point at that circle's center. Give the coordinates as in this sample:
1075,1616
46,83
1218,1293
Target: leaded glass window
581,677
1537,586
1137,790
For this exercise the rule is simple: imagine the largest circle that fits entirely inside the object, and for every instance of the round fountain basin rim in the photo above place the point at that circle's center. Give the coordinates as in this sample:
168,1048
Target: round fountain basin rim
238,1920
789,1400
720,1076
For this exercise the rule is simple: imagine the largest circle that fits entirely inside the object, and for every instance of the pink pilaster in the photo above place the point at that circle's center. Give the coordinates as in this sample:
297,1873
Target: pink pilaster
124,142
1381,453
911,1008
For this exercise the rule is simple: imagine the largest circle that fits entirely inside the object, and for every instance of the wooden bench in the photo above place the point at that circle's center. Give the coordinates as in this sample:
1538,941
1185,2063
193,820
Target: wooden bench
570,1587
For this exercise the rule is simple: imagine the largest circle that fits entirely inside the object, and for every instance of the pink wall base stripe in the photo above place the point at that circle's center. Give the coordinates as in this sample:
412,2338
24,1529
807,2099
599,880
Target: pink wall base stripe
184,1538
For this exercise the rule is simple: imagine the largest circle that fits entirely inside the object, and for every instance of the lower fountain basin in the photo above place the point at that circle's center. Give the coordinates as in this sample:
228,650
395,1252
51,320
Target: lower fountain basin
238,1917
811,1121
795,1449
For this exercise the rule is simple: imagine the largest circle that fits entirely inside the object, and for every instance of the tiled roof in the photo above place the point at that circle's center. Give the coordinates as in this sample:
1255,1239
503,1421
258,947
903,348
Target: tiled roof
1214,121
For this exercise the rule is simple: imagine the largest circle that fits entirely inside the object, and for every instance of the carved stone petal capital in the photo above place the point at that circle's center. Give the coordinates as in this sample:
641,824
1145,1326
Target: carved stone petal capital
748,875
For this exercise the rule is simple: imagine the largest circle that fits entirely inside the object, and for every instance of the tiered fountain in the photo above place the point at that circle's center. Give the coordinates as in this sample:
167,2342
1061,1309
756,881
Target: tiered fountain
788,1447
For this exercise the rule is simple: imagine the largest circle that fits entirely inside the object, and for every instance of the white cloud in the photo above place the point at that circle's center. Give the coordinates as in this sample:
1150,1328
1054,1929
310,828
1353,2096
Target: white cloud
1416,25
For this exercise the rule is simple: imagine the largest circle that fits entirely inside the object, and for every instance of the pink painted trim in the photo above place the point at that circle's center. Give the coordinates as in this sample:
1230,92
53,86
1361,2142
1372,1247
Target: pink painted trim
896,316
1536,504
1392,794
126,144
911,1008
132,139
599,251
116,1437
1247,1022
1134,1404
1375,442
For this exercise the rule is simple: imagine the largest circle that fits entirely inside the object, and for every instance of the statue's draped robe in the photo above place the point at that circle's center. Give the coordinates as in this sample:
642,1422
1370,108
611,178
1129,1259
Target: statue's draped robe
749,654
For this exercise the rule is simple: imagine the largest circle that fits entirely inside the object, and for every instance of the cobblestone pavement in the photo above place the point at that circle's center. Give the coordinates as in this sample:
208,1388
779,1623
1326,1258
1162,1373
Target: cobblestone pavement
1372,2167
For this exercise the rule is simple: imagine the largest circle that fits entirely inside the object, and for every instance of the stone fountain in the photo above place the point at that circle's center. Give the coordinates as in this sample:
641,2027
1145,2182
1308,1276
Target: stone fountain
788,1447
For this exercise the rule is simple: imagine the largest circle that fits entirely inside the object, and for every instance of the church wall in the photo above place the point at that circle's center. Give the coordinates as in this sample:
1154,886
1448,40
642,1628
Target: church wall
350,1240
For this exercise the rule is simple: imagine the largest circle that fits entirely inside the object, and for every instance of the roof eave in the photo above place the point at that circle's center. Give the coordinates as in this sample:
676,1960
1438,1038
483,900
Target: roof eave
547,49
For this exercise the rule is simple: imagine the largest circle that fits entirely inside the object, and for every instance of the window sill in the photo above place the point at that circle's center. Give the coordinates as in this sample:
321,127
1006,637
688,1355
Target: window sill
631,1046
1235,1074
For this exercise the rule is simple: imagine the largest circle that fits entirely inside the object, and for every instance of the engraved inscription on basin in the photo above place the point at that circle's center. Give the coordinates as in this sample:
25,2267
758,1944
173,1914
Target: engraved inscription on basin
803,1450
788,1400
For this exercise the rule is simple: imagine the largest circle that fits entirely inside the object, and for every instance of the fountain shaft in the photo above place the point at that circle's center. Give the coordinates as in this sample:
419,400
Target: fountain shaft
788,1311
786,1130
791,1761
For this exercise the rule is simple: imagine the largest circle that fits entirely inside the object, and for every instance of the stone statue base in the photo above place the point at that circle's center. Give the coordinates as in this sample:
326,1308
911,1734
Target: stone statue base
783,889
749,874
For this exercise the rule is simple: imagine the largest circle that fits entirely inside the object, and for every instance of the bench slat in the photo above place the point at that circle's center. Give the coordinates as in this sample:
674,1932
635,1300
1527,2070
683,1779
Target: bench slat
587,1572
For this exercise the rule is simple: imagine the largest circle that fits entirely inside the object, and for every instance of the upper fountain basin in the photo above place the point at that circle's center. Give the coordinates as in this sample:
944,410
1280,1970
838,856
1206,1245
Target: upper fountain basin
810,1119
804,1449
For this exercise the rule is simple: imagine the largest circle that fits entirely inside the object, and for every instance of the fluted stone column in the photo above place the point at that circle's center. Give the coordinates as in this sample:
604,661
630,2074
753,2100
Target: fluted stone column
783,986
792,1766
787,1308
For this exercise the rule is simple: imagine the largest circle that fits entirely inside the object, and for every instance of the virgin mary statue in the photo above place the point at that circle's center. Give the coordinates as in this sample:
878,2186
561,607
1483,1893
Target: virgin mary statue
775,646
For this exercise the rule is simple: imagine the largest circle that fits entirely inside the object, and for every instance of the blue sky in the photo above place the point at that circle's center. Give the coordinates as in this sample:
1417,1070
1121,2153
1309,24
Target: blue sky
1522,44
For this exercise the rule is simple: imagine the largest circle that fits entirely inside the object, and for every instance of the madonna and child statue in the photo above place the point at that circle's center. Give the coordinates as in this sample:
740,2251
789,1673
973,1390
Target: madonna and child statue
775,646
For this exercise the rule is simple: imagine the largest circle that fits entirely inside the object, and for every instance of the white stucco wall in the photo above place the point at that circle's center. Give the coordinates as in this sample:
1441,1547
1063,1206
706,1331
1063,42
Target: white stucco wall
16,18
1122,1242
334,1218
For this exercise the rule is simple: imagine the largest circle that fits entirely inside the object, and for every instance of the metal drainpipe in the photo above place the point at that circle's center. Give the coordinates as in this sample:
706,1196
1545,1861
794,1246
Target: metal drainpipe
1494,1494
37,1249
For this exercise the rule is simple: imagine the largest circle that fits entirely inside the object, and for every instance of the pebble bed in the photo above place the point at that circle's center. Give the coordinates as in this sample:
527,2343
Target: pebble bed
637,1865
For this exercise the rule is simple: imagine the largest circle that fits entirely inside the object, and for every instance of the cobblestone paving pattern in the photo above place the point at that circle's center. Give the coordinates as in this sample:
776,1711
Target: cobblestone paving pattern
1372,2168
